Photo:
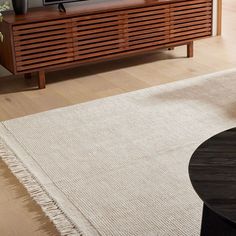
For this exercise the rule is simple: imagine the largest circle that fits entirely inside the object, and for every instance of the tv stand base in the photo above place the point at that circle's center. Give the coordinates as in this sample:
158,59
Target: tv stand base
49,40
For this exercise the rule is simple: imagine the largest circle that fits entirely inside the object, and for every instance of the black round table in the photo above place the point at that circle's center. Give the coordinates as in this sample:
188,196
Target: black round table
212,171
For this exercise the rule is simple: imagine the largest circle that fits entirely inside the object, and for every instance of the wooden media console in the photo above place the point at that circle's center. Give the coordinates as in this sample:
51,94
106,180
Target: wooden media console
96,30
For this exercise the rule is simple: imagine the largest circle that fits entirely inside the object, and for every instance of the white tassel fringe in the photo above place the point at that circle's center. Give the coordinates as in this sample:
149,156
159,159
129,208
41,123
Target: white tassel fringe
49,206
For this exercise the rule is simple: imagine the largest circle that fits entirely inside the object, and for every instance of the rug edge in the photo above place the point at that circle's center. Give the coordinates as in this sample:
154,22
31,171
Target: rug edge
49,206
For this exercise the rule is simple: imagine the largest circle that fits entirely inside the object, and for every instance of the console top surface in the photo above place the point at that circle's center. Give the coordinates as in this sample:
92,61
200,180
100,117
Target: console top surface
77,8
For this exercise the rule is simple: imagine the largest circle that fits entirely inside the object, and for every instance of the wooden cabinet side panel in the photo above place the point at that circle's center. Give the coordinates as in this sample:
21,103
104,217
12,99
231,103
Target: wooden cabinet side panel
7,55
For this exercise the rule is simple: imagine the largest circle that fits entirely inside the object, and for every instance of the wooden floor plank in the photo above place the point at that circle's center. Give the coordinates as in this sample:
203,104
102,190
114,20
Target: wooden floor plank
96,81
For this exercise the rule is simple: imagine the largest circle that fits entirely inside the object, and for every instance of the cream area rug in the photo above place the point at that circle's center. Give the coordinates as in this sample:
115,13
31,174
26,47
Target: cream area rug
119,166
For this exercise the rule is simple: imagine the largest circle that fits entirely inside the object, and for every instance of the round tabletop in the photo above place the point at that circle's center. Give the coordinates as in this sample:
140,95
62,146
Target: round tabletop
212,171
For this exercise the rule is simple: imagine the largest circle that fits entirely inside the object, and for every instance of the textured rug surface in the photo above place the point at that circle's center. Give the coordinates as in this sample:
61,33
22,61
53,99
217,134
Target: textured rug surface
119,166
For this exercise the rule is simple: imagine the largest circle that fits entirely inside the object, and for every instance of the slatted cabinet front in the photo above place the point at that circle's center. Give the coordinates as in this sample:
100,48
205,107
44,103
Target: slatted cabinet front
96,36
148,27
43,44
108,34
190,20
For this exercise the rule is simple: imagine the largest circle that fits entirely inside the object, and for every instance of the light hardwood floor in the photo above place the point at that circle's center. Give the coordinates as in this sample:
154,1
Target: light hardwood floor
19,215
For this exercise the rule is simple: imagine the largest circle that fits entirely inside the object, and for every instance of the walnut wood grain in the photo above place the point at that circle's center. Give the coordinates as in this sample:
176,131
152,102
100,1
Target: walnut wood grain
212,171
93,31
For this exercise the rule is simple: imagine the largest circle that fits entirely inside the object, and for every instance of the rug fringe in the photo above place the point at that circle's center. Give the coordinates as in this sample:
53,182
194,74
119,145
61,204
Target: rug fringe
49,206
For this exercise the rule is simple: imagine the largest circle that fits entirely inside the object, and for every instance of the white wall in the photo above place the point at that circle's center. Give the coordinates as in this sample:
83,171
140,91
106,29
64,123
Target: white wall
33,3
214,25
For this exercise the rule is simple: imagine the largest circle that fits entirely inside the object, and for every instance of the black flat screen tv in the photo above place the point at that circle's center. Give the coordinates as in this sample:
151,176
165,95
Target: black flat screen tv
50,2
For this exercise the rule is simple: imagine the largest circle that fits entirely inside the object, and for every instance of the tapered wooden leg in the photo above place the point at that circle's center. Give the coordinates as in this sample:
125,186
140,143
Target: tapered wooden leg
190,49
41,80
215,225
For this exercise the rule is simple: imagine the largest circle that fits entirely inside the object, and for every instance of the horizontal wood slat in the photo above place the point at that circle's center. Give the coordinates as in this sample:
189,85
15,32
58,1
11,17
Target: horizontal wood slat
190,32
35,51
190,2
40,29
180,24
191,28
40,24
44,59
44,54
98,45
44,64
41,34
189,11
133,11
191,8
43,44
37,42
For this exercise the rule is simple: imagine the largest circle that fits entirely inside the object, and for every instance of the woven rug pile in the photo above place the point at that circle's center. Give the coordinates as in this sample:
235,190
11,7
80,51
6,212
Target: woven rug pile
119,166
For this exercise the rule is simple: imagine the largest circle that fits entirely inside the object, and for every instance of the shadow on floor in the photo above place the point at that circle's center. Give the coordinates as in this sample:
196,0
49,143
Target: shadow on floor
13,84
212,90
